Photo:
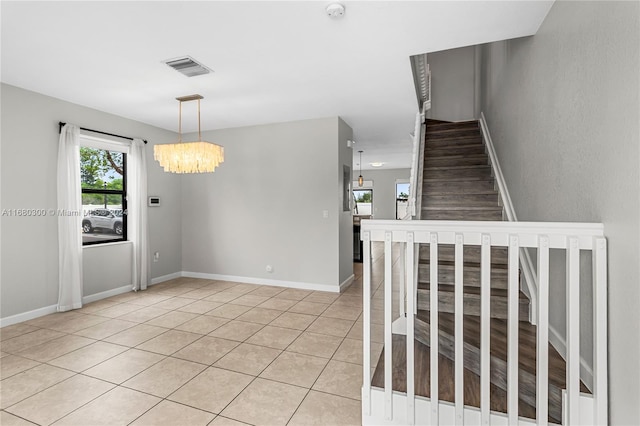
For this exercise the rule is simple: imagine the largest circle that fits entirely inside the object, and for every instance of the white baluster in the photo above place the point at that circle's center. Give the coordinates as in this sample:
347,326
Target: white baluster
542,354
411,411
512,331
573,332
433,318
600,390
485,330
388,322
366,323
459,329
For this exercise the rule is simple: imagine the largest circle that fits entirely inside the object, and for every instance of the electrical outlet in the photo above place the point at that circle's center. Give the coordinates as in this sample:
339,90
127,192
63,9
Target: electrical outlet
269,268
156,256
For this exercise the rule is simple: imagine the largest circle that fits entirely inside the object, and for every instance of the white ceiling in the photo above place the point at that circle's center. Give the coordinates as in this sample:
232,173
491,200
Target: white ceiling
273,61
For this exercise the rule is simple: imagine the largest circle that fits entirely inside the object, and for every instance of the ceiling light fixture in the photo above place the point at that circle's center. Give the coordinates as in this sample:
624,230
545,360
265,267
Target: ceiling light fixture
378,164
335,10
360,178
189,157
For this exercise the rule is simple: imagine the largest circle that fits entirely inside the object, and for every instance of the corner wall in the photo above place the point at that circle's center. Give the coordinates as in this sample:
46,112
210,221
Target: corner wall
563,107
29,276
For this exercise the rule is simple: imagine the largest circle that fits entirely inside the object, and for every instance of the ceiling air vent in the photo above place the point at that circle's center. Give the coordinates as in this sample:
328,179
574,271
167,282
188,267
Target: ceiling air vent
188,66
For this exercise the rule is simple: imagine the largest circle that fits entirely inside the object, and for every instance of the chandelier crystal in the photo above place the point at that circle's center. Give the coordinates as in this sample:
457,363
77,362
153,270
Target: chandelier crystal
189,157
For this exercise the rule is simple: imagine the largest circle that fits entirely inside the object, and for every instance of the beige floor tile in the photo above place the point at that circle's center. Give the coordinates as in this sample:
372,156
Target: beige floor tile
351,351
119,406
223,296
25,384
200,293
249,300
260,315
295,369
274,337
124,366
20,343
124,297
309,308
59,400
265,402
171,413
105,329
237,330
321,297
268,291
206,350
221,285
341,378
229,311
144,314
293,320
172,319
169,342
79,323
15,330
314,344
350,313
212,390
55,319
7,419
349,300
225,421
322,409
248,359
135,335
88,356
163,378
144,298
11,365
173,303
242,288
356,331
331,326
55,348
293,294
204,324
118,310
200,307
279,304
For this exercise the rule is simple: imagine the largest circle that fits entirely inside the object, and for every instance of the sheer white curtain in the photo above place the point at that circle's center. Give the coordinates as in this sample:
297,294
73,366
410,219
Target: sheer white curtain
69,225
138,229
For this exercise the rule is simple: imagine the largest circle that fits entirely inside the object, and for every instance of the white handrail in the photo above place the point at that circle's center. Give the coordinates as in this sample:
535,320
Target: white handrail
416,170
384,408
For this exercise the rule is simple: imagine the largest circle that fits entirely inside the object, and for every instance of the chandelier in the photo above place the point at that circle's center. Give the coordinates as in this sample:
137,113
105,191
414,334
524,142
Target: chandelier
189,157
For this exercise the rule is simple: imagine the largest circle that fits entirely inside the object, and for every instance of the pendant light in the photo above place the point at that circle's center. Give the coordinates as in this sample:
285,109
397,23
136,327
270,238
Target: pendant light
189,157
360,178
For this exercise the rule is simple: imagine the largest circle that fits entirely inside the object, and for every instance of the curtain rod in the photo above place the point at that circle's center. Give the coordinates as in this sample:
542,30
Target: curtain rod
61,125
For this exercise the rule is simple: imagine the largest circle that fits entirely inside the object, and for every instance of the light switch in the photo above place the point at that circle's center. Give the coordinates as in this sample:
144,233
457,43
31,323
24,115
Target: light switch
325,214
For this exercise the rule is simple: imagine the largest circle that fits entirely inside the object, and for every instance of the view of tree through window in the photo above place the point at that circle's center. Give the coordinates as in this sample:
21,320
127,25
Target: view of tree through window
103,181
402,200
363,202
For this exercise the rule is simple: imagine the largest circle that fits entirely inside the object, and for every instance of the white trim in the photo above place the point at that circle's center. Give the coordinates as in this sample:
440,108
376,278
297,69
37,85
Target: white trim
105,294
26,316
264,281
528,270
558,342
347,283
163,278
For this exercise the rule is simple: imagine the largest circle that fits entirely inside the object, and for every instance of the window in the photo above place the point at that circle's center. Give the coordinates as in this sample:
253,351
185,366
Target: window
363,205
103,177
402,200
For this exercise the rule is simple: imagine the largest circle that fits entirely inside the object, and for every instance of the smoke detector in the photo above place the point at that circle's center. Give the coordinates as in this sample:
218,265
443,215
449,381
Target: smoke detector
335,10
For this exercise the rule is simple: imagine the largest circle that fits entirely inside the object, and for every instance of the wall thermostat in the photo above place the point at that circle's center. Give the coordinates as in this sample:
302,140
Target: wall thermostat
154,201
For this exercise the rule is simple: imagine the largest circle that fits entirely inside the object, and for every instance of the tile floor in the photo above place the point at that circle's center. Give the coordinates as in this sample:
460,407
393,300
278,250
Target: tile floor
190,352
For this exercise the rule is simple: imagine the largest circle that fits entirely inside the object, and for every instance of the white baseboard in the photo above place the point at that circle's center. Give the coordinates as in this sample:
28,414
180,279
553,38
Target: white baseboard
167,277
105,294
558,342
347,283
263,281
26,316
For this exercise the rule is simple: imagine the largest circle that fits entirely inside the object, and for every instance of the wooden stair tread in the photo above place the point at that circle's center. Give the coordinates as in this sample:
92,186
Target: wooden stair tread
470,290
480,208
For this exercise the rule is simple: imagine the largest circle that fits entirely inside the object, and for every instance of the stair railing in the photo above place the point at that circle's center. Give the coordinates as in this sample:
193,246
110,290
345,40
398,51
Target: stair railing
388,406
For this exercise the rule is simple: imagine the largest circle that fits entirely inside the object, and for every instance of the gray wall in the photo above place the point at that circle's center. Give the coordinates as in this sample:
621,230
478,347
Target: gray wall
264,205
345,158
453,92
563,107
384,190
28,178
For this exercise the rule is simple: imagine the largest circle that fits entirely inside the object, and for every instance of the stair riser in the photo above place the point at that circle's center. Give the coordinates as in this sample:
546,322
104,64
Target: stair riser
460,215
473,171
453,133
446,253
453,161
452,126
488,200
433,142
471,276
471,305
461,187
470,149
